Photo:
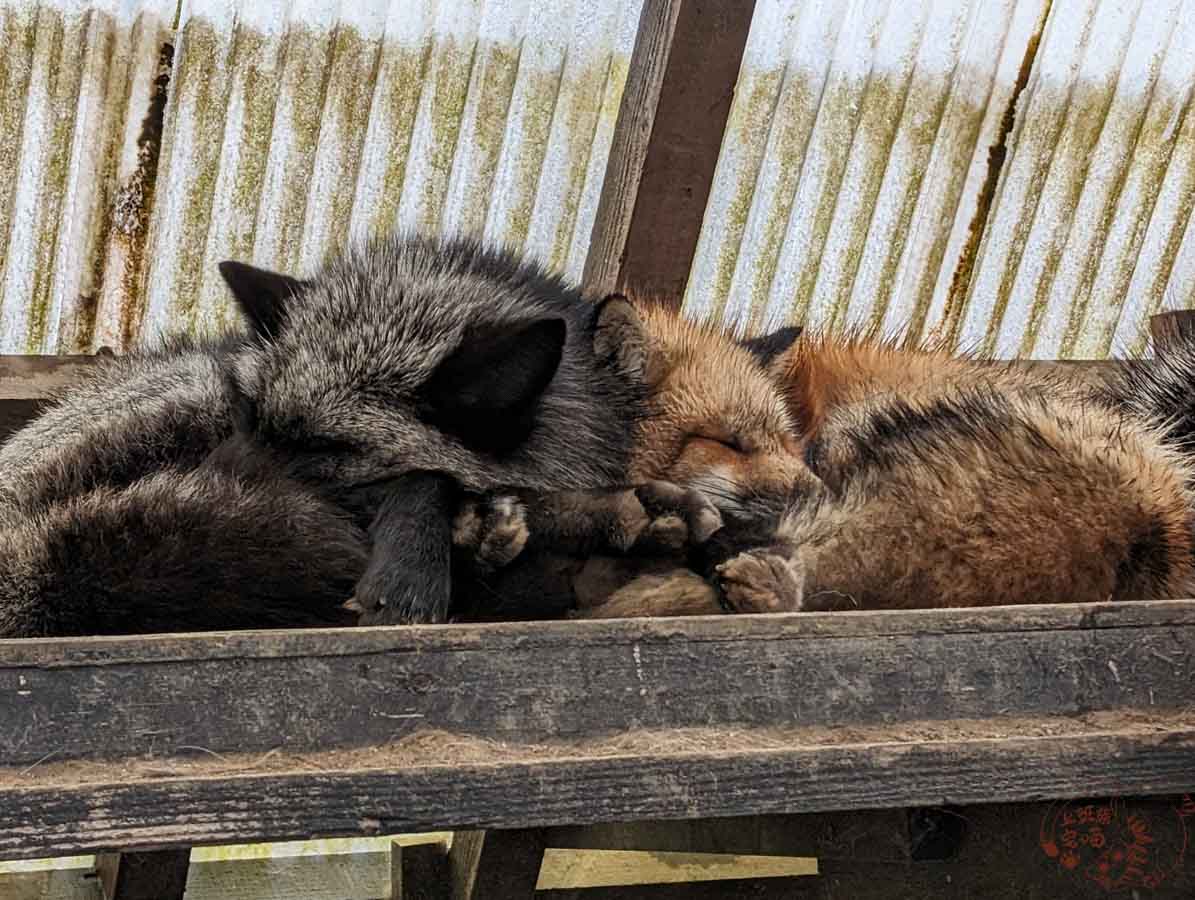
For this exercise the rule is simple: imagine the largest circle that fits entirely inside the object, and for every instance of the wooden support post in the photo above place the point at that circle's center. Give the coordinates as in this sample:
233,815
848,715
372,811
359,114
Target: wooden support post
419,871
686,140
152,875
503,864
632,131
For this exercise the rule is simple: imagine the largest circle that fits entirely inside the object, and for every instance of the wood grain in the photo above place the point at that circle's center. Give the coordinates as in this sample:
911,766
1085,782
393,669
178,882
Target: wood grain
314,798
304,691
682,154
628,150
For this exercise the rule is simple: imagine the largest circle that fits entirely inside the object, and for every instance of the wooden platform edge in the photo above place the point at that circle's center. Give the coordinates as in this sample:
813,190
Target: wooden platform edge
180,812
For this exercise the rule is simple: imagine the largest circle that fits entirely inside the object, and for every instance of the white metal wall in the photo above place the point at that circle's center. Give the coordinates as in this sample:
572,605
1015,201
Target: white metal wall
290,124
853,185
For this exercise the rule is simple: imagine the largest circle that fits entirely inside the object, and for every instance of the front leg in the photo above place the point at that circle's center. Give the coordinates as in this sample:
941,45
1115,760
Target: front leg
408,579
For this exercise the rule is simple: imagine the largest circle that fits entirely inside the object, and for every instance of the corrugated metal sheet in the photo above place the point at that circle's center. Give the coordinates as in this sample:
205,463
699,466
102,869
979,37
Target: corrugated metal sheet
1097,192
292,125
289,125
75,81
853,184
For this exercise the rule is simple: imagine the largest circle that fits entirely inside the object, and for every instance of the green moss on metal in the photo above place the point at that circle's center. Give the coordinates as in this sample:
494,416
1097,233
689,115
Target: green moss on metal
307,55
1155,148
449,73
254,67
580,115
61,40
539,104
746,130
497,68
200,82
18,30
404,70
348,97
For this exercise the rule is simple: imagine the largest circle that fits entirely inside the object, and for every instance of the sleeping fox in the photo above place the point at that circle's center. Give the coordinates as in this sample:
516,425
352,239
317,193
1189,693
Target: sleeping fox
925,481
715,451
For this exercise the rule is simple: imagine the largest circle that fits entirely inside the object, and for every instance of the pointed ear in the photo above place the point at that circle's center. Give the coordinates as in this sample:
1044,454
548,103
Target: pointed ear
619,336
766,347
486,393
261,294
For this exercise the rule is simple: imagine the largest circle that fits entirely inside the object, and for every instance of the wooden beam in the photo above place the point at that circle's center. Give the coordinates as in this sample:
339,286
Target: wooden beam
686,139
392,730
160,875
775,773
632,133
337,689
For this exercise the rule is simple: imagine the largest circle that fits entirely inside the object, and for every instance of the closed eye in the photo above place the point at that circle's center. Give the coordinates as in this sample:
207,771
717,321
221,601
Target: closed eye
726,439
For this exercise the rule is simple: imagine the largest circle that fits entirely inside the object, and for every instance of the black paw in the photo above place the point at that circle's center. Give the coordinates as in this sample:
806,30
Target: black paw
394,594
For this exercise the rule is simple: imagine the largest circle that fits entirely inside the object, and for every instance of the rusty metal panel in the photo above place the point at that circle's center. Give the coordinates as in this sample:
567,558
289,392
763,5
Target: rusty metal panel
293,125
1086,237
76,80
1014,177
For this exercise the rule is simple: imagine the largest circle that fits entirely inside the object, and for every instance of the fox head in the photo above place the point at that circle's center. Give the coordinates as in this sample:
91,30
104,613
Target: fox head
715,420
416,354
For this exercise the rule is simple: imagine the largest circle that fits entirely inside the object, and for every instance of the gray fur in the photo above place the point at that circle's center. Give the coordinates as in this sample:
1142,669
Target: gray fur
227,484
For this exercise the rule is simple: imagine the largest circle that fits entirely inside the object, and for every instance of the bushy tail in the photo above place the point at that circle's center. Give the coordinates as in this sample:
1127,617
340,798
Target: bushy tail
179,551
1162,390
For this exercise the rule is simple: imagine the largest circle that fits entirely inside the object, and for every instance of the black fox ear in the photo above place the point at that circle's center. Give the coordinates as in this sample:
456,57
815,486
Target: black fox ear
620,336
766,347
261,294
487,391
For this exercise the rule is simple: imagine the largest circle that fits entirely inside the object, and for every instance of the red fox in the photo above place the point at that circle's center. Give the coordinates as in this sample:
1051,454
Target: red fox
924,481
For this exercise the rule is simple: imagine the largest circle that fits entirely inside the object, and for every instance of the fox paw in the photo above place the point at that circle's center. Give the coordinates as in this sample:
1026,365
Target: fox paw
761,581
492,529
677,517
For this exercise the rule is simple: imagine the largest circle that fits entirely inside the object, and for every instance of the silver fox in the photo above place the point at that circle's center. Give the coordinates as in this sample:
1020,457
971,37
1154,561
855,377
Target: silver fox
230,483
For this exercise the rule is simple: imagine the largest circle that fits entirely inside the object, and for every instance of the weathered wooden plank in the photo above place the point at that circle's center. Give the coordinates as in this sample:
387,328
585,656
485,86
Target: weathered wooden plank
155,875
632,132
302,691
686,136
765,774
496,863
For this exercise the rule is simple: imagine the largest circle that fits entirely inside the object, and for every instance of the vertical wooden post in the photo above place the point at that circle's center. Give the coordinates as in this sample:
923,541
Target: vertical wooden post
419,871
156,875
503,864
666,146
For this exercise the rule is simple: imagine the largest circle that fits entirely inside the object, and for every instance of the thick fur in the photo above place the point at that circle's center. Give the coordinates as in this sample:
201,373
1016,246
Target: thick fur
176,551
1161,391
412,355
340,391
128,418
944,482
716,443
273,452
111,524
